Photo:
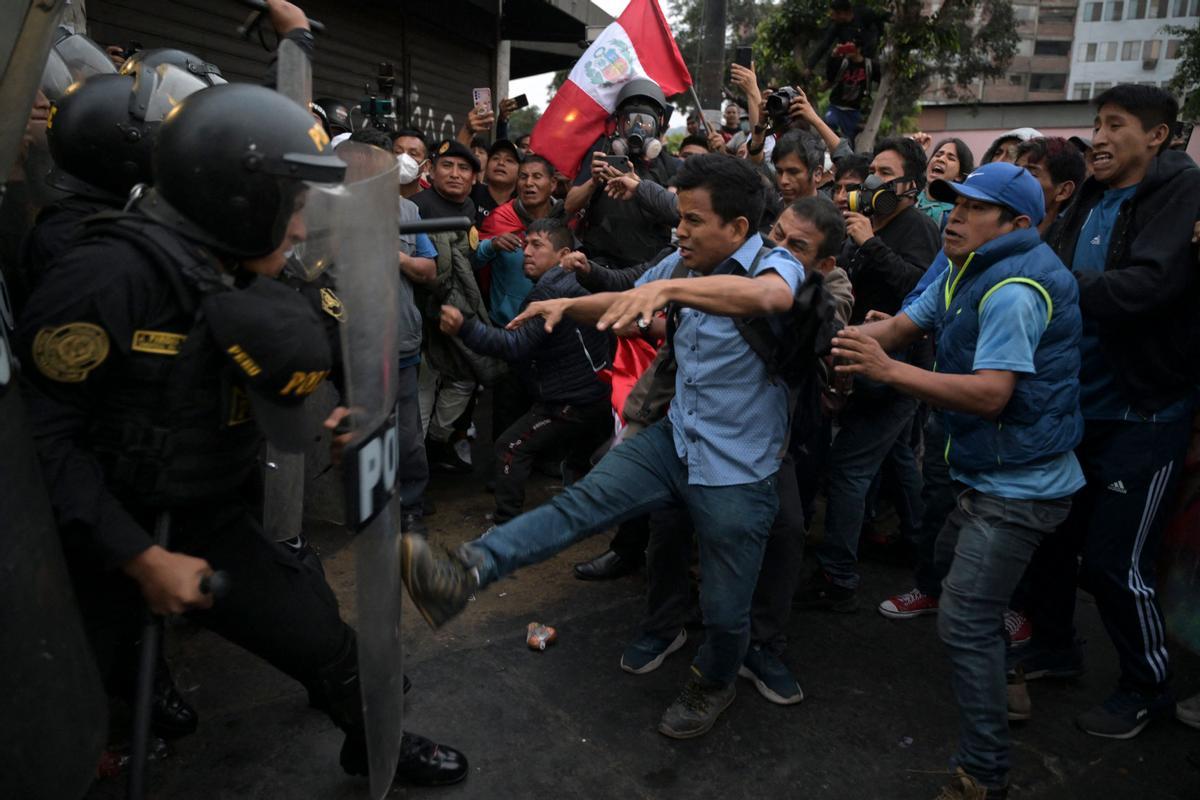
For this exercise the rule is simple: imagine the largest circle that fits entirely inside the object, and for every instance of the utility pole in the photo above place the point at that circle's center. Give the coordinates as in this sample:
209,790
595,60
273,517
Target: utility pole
712,54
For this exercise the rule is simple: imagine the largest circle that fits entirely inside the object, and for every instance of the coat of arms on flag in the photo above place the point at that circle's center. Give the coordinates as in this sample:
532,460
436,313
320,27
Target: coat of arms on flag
611,65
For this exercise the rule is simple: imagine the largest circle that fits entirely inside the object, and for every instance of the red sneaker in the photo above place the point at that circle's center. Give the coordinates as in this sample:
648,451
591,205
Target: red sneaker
913,603
1018,627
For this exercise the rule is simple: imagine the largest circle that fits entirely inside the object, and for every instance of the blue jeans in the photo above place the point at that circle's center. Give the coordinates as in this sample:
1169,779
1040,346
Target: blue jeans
641,475
996,539
870,427
844,120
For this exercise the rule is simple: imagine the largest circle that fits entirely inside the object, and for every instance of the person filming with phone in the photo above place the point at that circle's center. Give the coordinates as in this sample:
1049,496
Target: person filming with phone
617,232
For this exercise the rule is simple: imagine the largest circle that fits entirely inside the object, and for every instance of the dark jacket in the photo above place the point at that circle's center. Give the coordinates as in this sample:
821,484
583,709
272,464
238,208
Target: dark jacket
617,279
887,267
1147,297
557,367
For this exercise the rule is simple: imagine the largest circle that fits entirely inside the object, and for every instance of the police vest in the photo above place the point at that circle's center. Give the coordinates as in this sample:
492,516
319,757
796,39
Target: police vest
175,429
1042,419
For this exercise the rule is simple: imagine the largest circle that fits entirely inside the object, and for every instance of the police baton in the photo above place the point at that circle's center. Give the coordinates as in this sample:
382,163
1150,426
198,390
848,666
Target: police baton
217,585
436,225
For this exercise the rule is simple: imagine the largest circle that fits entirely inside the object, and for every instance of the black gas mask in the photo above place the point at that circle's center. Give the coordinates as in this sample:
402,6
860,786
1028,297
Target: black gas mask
877,196
637,133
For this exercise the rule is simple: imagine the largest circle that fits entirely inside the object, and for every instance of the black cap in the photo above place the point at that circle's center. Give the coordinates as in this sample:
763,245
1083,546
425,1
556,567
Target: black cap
453,147
505,144
273,335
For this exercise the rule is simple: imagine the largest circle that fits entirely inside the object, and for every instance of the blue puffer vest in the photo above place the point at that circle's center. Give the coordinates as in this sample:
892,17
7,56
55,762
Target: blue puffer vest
1042,419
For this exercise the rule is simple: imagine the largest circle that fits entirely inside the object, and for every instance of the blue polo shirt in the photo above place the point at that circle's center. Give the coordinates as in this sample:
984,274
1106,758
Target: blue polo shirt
1011,323
730,419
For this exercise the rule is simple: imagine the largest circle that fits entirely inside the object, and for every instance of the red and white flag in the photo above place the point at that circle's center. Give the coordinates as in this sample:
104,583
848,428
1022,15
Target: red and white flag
638,44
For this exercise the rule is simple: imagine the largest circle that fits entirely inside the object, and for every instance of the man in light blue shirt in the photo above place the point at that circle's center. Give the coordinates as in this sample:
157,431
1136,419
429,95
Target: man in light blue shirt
1006,315
716,453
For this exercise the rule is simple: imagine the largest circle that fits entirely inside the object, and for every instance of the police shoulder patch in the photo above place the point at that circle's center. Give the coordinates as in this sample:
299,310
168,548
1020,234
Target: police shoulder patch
331,304
67,353
159,343
473,238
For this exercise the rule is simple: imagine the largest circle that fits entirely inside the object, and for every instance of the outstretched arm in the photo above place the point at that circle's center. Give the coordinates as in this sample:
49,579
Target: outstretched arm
723,295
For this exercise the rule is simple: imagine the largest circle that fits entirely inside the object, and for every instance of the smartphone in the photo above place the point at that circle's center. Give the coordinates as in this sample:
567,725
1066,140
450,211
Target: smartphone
620,162
520,101
743,57
481,100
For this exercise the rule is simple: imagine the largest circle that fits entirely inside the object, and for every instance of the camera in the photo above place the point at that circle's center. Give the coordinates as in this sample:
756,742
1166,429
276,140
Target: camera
778,104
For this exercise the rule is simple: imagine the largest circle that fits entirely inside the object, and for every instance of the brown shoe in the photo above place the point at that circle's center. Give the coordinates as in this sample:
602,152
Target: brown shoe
963,787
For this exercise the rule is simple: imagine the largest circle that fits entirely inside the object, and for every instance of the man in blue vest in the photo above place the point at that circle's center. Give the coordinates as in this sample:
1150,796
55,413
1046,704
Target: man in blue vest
1006,317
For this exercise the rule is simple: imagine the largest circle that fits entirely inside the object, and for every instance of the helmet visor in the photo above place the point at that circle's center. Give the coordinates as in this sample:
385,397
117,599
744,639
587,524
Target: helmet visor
156,92
320,204
84,58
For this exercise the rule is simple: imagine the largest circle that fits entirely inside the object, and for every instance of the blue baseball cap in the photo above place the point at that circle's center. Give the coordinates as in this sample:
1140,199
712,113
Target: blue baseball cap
1000,183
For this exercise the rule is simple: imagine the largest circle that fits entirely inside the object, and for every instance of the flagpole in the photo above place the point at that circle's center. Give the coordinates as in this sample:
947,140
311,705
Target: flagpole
700,109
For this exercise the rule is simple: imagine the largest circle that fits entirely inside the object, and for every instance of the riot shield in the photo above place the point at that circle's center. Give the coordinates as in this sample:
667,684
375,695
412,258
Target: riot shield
283,479
53,711
365,274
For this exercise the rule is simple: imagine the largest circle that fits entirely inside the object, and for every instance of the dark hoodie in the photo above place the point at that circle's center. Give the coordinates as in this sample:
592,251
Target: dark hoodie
1147,297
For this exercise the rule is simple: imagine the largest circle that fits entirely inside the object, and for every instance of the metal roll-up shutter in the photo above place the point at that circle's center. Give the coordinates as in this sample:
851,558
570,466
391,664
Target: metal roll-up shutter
445,59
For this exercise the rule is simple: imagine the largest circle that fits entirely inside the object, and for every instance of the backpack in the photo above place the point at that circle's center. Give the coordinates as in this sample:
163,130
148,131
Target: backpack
795,350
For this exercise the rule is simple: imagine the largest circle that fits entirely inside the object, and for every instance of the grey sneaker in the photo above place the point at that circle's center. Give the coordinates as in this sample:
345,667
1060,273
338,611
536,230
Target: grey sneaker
696,709
440,586
772,679
1188,711
1125,713
646,653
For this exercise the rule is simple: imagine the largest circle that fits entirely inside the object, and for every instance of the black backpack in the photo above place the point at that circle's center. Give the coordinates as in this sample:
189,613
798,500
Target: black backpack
794,352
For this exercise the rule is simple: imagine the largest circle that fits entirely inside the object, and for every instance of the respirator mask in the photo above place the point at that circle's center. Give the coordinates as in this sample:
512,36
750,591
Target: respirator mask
637,134
877,196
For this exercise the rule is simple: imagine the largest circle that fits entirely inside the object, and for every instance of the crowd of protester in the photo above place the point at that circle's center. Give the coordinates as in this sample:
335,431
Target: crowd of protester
1008,362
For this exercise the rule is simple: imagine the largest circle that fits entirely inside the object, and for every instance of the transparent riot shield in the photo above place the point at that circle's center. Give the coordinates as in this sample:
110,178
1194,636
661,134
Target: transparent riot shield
283,477
53,711
364,270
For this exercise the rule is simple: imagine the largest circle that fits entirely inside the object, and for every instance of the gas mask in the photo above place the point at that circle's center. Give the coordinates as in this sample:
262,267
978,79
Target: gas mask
877,196
410,170
637,134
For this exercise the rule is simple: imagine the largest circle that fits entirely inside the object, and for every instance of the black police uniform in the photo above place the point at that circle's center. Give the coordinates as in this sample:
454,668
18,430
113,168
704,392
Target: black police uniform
135,410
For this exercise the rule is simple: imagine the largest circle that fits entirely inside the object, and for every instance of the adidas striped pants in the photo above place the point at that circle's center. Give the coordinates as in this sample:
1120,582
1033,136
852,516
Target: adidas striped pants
1115,529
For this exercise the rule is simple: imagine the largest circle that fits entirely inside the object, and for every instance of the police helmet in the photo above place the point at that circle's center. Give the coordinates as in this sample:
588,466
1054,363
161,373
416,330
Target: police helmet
336,115
193,64
232,161
101,132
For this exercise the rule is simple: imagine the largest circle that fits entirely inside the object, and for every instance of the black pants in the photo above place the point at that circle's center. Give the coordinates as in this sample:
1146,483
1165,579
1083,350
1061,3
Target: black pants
414,466
668,592
278,608
575,431
1116,524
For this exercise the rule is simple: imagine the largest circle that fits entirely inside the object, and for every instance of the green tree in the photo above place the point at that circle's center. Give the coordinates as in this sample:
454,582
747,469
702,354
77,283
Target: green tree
1186,81
961,42
522,120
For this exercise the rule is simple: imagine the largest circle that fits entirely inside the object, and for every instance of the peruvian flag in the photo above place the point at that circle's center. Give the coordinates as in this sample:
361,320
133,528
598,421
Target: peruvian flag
638,44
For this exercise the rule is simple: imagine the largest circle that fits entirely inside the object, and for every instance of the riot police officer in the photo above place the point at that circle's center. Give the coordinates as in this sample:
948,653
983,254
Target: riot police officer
100,135
157,349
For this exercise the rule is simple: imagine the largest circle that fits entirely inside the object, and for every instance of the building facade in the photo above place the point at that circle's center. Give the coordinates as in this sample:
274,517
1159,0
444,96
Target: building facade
1041,66
1124,41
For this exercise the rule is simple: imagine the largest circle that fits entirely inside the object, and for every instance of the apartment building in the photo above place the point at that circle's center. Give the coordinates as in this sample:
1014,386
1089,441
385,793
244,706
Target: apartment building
1124,41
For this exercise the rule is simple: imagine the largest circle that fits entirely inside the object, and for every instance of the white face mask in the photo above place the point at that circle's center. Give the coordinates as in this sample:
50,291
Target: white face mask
410,170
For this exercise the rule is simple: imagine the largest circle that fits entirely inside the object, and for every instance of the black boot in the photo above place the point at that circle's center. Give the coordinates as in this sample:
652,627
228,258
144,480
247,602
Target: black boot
171,716
422,762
